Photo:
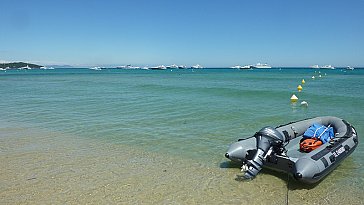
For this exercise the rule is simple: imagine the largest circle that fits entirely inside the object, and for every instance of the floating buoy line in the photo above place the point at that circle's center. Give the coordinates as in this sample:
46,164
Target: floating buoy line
294,99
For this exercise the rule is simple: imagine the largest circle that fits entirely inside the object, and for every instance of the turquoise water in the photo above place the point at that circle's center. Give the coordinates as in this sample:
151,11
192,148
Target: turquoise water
187,114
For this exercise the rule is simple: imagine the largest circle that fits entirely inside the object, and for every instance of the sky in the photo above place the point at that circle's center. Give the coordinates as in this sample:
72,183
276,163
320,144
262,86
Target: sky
213,33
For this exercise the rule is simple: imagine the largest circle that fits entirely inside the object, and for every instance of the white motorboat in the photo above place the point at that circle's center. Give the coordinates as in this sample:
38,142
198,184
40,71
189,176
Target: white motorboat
160,67
261,65
327,67
197,66
46,68
25,68
246,67
173,66
236,67
95,68
128,67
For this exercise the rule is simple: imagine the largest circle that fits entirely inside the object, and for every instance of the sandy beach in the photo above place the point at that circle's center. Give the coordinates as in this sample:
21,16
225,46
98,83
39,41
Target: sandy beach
43,167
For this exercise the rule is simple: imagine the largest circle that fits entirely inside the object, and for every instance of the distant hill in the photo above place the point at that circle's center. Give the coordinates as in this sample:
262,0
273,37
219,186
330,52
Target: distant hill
16,65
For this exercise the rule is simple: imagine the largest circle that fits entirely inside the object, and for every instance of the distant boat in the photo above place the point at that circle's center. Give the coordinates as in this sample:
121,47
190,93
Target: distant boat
197,66
242,67
128,67
95,68
173,66
327,67
46,68
160,67
2,68
236,67
246,67
25,68
122,66
349,68
261,65
315,66
181,67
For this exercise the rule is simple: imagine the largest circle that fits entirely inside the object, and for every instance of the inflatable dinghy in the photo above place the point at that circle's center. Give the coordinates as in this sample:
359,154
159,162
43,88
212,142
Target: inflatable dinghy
279,149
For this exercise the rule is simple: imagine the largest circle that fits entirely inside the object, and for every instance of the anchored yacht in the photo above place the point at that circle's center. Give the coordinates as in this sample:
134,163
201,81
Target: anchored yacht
327,67
197,66
261,65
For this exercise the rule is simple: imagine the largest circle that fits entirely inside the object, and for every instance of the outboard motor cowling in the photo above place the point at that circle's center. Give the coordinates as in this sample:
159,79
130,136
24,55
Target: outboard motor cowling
266,139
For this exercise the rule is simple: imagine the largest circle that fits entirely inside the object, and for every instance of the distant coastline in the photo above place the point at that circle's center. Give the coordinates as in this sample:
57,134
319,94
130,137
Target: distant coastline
25,65
16,65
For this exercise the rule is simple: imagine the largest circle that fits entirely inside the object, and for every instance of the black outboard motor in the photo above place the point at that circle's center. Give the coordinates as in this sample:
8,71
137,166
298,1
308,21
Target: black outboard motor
267,138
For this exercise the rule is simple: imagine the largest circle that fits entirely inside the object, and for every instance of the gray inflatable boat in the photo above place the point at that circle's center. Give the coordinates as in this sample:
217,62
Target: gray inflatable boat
278,149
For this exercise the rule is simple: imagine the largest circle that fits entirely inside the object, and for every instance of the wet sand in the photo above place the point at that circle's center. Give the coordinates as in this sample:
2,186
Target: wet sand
45,167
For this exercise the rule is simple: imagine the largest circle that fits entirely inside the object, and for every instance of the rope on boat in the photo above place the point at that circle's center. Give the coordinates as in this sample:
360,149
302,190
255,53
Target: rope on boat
287,189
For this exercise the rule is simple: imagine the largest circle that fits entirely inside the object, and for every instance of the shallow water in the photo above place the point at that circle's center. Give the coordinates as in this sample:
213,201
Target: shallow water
132,136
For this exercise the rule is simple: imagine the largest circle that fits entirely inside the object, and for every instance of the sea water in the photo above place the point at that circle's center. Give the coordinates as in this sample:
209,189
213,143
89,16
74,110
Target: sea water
159,136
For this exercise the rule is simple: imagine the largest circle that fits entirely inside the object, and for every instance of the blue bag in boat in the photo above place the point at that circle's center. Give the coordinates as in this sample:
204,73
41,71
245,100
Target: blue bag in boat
320,132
